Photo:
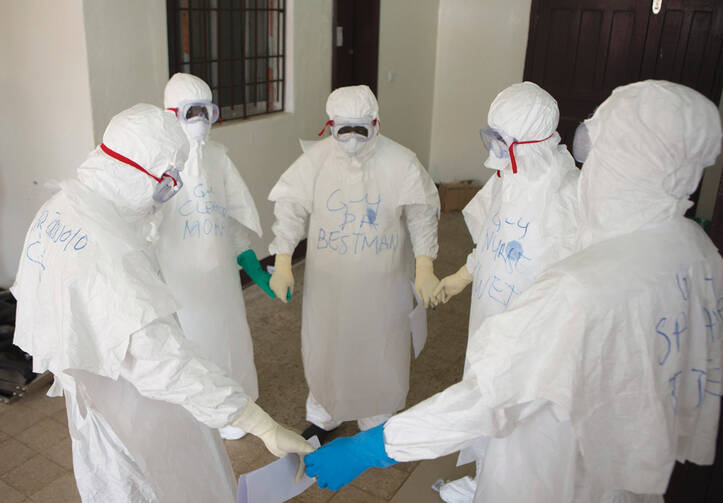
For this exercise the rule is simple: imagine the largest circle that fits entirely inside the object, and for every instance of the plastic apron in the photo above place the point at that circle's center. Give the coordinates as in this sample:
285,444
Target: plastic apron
199,265
357,298
129,448
519,228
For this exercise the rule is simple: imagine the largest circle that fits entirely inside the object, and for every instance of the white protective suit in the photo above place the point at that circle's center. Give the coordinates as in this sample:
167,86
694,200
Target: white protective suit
523,222
205,226
93,310
366,213
607,369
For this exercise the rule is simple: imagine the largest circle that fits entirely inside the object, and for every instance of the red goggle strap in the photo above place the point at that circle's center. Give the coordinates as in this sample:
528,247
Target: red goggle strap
174,110
329,123
512,153
115,155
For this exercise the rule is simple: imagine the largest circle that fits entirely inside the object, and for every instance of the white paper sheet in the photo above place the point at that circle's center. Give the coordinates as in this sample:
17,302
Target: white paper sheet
275,482
418,324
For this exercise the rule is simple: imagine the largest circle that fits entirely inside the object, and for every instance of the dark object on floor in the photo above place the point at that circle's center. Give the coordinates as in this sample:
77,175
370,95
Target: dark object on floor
319,433
16,366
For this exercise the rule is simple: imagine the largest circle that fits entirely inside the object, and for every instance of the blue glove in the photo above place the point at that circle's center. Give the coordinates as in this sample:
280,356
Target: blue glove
248,261
339,462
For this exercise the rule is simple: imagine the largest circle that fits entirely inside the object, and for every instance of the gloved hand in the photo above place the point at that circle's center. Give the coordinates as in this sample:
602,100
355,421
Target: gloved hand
277,439
425,281
248,261
339,462
282,281
452,285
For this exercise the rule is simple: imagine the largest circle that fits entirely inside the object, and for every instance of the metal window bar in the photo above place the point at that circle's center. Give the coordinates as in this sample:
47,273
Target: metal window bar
236,46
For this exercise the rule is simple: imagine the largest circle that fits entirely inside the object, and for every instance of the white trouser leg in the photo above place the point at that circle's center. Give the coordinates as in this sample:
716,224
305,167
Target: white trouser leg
368,423
317,414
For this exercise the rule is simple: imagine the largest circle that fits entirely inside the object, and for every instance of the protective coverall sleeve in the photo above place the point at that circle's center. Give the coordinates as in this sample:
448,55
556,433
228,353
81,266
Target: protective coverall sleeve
240,236
448,422
422,224
289,227
240,205
162,365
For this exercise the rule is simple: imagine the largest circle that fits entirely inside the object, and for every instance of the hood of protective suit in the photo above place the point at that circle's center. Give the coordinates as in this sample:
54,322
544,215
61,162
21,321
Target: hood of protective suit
184,87
650,142
354,102
146,135
525,112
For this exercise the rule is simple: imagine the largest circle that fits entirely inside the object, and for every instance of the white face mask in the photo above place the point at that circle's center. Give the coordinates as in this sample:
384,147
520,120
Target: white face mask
496,163
197,130
352,146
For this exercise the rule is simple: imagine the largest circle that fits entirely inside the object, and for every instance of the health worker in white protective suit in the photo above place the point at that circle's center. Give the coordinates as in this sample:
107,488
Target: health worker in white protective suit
522,221
371,208
205,231
608,368
93,310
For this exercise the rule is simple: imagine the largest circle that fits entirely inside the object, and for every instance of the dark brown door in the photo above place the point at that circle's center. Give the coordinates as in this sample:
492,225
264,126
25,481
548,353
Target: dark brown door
355,53
580,50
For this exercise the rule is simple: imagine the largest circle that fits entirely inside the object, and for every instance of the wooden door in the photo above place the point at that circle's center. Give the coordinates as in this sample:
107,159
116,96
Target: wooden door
355,39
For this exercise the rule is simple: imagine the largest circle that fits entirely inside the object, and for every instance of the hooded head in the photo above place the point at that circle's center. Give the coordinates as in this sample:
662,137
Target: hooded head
649,144
525,112
354,105
183,89
148,137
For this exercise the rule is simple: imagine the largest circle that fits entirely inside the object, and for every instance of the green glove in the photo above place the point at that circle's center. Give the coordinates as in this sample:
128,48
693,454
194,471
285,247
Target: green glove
248,261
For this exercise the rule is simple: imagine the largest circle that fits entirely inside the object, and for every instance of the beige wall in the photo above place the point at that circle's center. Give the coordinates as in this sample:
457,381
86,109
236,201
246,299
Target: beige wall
46,128
127,55
407,53
480,50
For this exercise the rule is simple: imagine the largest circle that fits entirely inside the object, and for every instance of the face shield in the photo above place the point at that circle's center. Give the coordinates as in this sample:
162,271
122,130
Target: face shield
581,145
167,185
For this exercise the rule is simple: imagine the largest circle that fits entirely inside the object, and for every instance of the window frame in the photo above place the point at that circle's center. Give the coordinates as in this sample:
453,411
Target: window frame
245,102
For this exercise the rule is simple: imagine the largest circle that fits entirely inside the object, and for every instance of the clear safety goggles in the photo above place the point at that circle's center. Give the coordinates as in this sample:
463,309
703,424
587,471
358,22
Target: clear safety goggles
191,111
168,184
346,129
503,147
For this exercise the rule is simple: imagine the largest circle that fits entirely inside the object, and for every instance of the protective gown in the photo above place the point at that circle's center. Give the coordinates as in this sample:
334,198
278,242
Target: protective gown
607,369
521,222
93,310
366,215
205,226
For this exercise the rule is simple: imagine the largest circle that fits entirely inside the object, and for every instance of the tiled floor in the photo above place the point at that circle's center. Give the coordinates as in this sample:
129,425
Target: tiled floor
35,457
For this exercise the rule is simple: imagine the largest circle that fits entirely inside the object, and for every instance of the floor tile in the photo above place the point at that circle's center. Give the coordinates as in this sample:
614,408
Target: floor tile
61,490
61,454
418,487
13,454
61,416
18,418
351,494
43,435
33,475
314,495
381,482
10,495
38,400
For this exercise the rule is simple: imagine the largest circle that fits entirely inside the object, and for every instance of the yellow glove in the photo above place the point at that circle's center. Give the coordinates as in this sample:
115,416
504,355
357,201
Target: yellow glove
277,439
425,281
452,285
282,281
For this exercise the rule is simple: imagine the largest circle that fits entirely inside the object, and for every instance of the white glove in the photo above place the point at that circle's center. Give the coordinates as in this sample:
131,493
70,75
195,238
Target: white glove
282,281
277,439
425,281
452,285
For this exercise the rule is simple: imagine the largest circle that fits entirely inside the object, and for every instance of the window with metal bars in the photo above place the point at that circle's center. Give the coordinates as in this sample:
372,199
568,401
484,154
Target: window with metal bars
236,46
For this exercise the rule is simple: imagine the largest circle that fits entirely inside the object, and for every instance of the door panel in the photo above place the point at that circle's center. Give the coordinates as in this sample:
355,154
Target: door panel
355,53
